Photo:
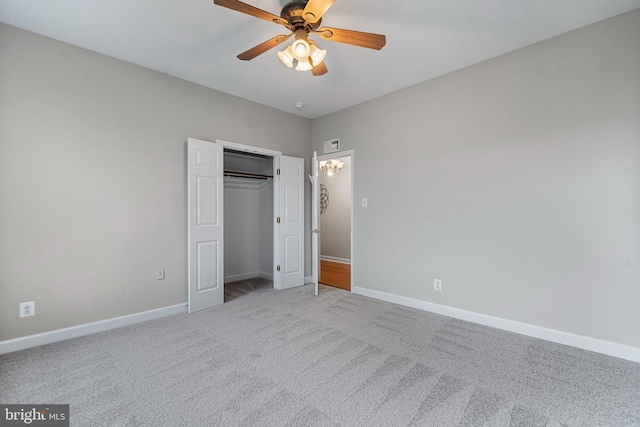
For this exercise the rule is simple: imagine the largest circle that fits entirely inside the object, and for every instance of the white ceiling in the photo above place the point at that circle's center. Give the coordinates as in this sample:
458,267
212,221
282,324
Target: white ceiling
198,41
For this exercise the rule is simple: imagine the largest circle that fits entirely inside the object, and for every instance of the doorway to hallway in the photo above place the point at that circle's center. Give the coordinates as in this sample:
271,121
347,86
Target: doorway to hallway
335,221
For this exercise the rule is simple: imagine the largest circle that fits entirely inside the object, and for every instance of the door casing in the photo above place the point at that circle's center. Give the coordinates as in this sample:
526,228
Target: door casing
276,191
337,155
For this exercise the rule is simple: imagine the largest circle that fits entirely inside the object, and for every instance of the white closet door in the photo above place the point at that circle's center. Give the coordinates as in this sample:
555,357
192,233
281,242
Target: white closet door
315,225
205,224
291,226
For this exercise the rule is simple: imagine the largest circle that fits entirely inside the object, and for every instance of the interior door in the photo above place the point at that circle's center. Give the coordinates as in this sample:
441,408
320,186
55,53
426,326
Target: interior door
290,223
315,226
205,224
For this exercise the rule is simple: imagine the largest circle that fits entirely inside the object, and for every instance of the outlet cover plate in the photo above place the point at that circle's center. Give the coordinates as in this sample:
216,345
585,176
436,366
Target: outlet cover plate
27,309
437,284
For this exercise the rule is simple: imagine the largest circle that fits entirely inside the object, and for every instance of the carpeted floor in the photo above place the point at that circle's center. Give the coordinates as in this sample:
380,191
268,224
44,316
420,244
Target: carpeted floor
291,359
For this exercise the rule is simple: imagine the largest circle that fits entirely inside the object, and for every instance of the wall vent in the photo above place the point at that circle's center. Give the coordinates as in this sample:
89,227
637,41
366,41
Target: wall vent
332,146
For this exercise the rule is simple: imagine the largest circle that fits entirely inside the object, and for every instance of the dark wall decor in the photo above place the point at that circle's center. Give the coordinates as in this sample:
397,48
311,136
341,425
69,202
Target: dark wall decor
324,198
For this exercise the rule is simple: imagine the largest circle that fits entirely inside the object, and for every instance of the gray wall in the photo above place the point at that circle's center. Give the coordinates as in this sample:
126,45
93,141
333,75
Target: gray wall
335,222
515,181
248,229
241,231
93,178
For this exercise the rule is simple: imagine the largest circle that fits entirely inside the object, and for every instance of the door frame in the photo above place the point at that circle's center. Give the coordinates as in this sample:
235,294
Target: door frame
276,194
277,164
337,155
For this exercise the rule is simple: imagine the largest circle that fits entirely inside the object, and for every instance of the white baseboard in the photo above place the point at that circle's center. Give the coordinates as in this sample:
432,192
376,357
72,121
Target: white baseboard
335,259
586,343
244,276
308,279
247,276
267,276
21,343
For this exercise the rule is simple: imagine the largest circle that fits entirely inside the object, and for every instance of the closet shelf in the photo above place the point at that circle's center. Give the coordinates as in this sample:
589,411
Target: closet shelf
249,175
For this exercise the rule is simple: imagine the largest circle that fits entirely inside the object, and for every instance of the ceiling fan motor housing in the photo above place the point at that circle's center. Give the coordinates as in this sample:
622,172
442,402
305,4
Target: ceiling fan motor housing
292,13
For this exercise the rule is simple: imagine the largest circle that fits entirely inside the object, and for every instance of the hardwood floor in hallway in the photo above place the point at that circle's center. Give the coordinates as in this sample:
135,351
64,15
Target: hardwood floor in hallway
336,274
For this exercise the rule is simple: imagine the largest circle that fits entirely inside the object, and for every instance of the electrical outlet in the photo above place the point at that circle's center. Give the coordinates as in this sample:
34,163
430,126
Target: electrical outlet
160,274
437,284
27,309
365,202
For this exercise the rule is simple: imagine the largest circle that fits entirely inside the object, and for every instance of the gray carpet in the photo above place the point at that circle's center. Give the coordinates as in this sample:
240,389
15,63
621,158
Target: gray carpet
287,358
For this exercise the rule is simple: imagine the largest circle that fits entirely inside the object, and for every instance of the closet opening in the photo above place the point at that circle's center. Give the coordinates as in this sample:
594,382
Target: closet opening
232,235
248,222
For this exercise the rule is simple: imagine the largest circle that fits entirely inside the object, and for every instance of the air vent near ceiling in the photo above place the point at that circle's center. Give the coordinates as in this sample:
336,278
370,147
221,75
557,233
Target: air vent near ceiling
332,146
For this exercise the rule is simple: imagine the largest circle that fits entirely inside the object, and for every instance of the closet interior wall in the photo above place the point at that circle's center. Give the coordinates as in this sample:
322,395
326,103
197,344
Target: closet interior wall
248,216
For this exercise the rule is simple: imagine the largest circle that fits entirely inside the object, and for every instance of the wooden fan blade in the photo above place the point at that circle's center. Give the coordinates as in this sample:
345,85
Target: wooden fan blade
314,10
263,47
250,10
319,69
357,38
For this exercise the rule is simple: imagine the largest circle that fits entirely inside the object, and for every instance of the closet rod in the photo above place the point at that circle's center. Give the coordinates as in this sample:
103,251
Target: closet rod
238,174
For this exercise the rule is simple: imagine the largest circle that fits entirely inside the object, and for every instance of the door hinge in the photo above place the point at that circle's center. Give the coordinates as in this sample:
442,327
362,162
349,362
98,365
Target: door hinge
278,171
278,268
278,220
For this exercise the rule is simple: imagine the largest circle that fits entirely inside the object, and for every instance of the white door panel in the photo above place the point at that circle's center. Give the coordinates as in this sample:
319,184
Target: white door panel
315,244
205,224
291,226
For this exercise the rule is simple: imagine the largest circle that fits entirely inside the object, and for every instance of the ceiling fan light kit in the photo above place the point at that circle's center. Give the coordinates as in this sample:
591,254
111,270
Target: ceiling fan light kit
286,56
304,65
317,55
306,52
302,17
300,49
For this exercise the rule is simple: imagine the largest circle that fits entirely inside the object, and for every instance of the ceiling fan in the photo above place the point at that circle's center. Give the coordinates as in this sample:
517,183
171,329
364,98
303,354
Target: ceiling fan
303,17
